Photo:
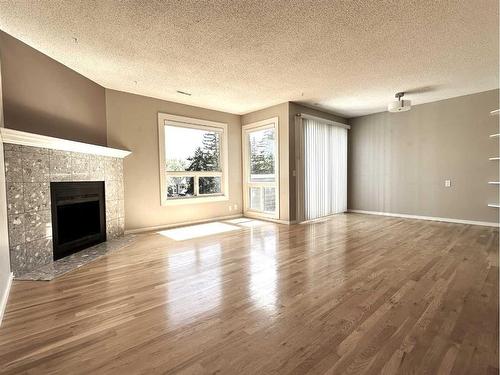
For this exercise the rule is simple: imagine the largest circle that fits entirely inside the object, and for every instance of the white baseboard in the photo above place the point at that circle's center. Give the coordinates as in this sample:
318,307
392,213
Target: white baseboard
278,221
432,218
5,297
174,225
193,222
321,219
273,220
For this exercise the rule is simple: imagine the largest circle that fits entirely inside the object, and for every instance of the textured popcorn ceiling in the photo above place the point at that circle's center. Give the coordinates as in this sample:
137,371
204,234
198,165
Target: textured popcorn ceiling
237,56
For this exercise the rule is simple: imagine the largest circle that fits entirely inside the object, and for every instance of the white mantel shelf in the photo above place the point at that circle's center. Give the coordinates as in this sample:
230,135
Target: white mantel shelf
35,140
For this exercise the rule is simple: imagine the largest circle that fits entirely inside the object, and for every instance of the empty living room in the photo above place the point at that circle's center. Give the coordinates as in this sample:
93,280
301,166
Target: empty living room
249,187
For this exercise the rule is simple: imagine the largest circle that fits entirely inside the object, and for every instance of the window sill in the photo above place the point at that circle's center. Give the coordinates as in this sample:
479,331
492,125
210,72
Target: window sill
183,201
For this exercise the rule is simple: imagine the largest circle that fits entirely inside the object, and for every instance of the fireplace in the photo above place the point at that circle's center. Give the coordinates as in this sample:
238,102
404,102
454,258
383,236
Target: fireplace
78,216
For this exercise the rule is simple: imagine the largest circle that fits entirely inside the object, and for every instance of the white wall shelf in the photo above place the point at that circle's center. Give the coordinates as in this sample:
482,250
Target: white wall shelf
494,205
494,113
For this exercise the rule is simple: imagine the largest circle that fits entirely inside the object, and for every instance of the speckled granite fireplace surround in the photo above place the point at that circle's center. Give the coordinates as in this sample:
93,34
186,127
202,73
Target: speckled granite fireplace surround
29,171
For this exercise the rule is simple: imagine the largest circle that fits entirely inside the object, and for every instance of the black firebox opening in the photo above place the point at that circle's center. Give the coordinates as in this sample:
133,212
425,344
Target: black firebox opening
78,216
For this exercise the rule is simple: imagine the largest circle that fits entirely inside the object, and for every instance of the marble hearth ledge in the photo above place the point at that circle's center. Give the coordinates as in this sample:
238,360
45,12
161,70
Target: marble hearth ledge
74,261
35,140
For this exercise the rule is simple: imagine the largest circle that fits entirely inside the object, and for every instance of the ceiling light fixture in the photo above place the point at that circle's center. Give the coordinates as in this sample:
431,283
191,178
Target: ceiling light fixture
399,105
183,93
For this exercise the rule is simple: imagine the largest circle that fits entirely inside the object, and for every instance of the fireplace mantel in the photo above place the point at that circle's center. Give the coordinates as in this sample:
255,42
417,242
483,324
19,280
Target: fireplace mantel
35,140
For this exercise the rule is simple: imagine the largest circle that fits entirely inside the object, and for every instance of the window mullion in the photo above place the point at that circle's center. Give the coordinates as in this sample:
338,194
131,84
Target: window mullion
207,174
180,174
262,184
196,186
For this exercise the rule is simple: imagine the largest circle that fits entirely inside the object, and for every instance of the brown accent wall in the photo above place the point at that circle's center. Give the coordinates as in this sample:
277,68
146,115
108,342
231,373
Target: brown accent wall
133,125
398,162
42,96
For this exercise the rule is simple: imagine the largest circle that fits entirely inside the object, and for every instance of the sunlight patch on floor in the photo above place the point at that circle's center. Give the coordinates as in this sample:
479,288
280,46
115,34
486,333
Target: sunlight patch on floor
196,231
238,220
247,223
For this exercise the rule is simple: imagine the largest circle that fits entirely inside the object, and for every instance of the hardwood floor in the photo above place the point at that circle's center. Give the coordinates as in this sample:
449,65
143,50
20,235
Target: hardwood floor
353,294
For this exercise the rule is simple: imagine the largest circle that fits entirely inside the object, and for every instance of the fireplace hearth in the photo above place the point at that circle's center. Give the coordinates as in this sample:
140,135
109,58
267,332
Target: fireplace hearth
78,216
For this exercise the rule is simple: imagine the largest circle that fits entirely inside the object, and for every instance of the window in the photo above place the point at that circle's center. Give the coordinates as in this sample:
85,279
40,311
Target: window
193,160
260,169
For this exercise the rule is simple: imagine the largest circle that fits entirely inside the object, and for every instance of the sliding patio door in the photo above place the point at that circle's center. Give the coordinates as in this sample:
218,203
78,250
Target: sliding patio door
324,168
261,169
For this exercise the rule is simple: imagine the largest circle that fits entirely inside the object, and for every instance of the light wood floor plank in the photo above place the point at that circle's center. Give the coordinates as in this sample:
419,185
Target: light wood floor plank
354,294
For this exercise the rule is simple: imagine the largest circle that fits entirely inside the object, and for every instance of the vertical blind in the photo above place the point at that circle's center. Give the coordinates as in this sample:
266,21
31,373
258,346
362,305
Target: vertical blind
325,169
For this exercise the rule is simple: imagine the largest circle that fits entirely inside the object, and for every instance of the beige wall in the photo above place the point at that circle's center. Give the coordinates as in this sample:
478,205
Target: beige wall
45,97
133,125
294,109
398,161
280,111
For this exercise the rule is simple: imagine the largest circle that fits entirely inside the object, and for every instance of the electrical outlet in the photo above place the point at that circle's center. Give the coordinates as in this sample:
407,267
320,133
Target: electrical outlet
447,183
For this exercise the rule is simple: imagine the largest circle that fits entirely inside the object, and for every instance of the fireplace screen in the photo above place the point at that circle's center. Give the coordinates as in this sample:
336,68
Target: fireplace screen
78,216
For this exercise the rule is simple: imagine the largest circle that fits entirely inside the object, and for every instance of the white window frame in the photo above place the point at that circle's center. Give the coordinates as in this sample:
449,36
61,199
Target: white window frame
193,123
247,184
